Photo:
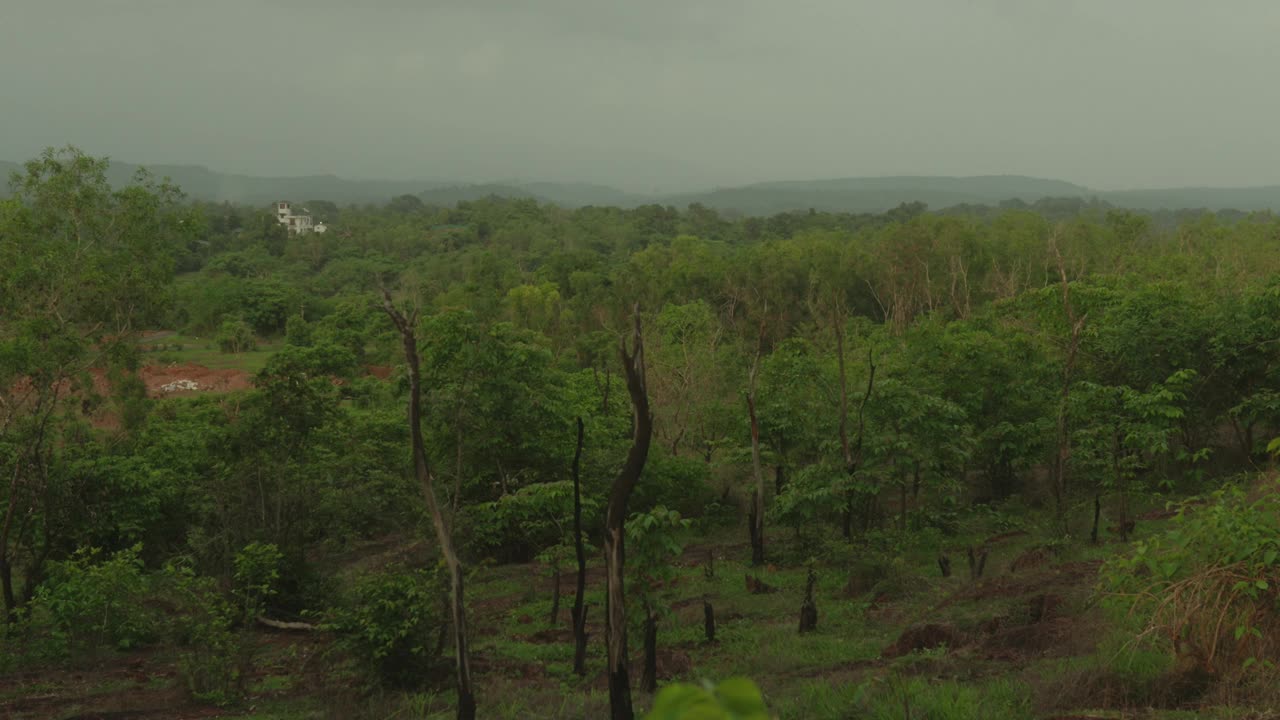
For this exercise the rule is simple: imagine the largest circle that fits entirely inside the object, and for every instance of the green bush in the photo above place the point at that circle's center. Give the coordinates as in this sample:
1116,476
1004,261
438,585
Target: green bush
213,661
518,525
679,483
236,336
393,624
1207,586
297,332
733,699
257,574
89,603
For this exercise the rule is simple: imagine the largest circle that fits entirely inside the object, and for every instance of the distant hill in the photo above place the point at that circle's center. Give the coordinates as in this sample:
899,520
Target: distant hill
1266,197
454,194
582,194
859,194
879,193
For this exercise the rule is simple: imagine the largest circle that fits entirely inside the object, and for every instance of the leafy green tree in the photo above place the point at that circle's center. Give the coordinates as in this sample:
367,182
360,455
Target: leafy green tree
655,539
1121,432
503,422
235,336
82,268
916,440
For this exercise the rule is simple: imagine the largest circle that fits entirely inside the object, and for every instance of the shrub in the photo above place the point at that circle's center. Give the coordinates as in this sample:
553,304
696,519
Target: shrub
257,573
1208,586
679,483
733,699
393,624
212,663
518,525
89,603
235,336
297,332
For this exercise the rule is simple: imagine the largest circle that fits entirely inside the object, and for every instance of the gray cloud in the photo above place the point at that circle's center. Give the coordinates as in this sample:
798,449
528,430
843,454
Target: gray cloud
659,93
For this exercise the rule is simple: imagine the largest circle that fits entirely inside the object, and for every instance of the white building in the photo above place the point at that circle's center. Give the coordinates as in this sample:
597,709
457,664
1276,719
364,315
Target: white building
296,223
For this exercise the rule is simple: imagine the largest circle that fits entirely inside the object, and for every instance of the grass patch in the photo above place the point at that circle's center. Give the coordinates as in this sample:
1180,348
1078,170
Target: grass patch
203,350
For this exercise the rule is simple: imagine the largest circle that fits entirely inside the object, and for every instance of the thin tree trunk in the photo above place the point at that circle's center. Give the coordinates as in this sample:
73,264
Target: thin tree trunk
6,569
708,620
616,621
6,580
837,324
649,676
809,608
757,500
579,610
1097,513
462,657
555,596
902,506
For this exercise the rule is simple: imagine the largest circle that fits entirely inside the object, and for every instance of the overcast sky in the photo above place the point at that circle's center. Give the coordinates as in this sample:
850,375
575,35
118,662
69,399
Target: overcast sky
646,94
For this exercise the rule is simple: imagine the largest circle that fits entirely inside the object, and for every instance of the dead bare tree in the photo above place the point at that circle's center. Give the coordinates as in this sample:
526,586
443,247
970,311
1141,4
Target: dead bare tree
426,480
756,519
615,517
579,608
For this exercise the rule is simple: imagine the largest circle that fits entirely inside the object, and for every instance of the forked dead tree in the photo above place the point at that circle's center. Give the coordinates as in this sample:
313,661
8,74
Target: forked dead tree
615,517
426,480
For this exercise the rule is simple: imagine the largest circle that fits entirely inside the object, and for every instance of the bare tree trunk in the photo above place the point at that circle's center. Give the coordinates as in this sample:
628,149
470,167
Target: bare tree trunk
579,610
708,620
6,569
757,500
902,506
615,517
555,596
6,580
809,608
649,675
1097,513
977,562
462,656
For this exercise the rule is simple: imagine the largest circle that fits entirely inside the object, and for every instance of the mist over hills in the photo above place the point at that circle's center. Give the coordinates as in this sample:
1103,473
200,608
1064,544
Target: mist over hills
857,194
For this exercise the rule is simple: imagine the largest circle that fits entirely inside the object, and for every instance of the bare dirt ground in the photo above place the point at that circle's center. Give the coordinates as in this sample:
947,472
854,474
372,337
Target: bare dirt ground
188,378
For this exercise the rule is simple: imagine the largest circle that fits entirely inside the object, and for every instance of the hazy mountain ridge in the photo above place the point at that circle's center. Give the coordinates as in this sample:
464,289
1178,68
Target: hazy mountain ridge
853,194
